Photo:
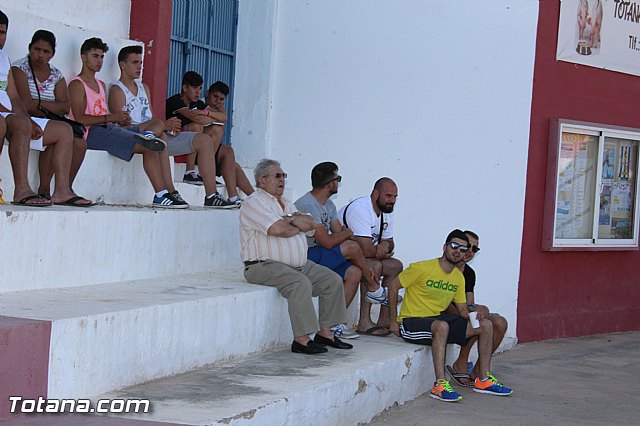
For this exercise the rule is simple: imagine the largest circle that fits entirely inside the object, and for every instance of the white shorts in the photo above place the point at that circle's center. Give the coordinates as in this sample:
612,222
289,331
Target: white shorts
35,144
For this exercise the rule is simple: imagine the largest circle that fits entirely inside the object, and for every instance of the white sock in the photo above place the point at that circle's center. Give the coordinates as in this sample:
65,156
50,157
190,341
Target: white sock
211,196
161,193
378,293
189,171
234,199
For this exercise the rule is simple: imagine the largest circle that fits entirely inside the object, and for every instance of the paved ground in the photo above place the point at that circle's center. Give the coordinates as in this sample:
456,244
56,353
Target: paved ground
582,381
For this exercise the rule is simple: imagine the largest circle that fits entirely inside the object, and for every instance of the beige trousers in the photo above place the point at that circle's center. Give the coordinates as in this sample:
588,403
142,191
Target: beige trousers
298,285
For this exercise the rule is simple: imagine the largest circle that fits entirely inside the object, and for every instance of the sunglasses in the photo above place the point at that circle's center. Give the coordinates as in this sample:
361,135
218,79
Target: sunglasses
278,175
456,246
475,249
338,178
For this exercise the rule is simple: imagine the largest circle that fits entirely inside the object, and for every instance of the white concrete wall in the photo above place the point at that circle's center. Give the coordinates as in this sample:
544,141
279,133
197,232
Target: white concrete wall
253,80
72,22
434,94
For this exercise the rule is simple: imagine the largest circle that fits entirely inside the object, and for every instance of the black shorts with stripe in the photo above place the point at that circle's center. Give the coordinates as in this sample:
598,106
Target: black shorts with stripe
418,329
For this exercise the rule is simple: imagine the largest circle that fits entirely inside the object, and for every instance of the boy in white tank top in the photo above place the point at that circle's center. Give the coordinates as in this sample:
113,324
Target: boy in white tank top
131,95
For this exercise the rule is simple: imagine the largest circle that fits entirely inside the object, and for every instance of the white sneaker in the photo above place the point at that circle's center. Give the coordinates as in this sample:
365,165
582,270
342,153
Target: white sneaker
343,332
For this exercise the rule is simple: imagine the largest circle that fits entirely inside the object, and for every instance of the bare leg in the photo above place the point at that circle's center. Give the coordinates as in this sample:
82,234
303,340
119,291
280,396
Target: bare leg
242,181
151,164
3,132
19,134
364,322
45,169
440,333
191,161
351,280
227,160
79,151
216,133
352,252
500,326
485,341
165,170
58,137
203,145
390,269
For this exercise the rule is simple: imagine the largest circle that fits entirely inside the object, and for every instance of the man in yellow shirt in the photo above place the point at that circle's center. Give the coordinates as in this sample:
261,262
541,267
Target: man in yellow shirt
430,286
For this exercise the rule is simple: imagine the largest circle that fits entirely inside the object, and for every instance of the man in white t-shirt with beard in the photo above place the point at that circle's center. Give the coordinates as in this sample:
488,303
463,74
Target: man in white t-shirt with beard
371,220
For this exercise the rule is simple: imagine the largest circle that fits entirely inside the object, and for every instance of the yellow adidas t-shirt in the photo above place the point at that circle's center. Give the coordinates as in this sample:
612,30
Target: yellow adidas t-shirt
429,290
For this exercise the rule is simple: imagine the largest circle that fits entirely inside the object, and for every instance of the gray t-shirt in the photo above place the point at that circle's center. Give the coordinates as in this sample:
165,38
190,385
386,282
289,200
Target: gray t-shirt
324,214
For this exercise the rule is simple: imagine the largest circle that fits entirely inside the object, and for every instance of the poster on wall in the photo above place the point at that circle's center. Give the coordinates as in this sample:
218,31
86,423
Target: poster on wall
600,33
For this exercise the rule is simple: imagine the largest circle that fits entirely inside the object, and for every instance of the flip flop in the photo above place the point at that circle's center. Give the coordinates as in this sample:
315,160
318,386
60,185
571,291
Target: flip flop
73,202
24,201
371,331
457,377
45,196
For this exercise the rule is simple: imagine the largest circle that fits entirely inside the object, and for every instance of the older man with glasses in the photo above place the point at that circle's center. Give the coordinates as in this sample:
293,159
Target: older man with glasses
273,235
430,286
462,371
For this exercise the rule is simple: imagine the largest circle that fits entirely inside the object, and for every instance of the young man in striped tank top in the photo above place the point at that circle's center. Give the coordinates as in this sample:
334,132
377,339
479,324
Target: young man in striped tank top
113,132
130,94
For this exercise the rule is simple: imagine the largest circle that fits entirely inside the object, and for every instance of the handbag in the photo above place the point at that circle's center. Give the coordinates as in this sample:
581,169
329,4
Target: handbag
77,127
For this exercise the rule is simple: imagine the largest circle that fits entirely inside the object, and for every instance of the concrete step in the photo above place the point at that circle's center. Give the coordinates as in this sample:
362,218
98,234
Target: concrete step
105,337
342,387
59,246
120,182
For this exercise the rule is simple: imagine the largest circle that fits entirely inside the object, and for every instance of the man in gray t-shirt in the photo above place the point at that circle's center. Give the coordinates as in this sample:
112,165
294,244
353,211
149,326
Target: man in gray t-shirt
332,246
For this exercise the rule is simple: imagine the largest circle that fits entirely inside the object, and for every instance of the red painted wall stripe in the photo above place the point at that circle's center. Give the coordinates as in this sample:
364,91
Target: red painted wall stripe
151,23
568,294
24,360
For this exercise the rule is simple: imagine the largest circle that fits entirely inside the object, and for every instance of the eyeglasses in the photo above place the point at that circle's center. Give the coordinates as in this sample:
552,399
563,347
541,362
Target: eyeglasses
456,246
475,249
338,178
278,175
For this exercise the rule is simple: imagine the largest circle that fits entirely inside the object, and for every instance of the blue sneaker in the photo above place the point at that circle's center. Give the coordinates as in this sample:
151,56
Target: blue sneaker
170,201
492,386
443,391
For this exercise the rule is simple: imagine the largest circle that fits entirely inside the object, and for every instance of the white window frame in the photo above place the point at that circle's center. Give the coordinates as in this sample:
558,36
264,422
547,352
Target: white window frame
550,242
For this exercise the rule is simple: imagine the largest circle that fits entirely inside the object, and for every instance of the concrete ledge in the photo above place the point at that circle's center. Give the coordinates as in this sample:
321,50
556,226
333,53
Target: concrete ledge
114,335
119,181
347,387
56,247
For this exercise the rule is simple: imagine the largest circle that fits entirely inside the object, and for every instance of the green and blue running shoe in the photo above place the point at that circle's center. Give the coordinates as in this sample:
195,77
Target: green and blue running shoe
443,391
492,386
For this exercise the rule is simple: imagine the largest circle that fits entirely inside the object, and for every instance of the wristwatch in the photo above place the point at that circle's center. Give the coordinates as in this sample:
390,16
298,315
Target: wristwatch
290,217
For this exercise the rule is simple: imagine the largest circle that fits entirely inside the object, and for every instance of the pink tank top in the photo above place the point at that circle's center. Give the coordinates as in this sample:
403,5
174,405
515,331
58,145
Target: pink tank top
96,102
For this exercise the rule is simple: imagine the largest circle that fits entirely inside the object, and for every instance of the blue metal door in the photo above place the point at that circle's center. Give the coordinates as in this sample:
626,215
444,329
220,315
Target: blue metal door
203,39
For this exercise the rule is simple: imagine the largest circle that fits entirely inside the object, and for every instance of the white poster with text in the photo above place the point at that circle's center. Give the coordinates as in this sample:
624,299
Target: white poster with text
600,33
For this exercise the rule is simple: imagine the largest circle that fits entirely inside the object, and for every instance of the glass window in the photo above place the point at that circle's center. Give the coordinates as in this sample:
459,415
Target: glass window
595,192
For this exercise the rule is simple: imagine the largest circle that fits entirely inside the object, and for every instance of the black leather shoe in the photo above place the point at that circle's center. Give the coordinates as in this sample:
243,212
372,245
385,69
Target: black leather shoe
335,343
310,349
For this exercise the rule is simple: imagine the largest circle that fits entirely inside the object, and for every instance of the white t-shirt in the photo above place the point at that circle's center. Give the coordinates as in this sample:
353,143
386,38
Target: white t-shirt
363,221
5,67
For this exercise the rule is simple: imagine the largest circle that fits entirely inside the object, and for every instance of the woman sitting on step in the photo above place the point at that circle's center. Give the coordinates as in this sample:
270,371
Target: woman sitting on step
42,88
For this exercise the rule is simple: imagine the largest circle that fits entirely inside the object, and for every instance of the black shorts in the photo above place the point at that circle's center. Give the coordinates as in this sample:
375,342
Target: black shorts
418,330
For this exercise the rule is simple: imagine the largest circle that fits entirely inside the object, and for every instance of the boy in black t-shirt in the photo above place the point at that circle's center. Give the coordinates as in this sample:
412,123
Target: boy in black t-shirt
196,117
